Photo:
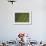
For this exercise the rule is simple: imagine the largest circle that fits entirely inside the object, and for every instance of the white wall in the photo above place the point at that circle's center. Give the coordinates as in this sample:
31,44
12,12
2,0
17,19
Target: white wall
37,30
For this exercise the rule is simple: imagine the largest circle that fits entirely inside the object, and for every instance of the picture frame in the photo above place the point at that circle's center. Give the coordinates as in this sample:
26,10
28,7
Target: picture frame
20,14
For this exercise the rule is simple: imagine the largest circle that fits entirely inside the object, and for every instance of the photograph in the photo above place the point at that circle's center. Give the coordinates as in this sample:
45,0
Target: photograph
22,18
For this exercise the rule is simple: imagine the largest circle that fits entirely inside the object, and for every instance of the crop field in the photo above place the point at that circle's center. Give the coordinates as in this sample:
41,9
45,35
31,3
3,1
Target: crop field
21,17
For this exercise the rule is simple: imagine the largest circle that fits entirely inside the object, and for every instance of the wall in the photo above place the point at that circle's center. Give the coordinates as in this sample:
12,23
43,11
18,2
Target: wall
9,31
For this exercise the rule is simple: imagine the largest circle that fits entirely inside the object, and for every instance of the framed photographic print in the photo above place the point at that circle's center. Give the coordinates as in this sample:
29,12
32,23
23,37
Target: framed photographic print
23,18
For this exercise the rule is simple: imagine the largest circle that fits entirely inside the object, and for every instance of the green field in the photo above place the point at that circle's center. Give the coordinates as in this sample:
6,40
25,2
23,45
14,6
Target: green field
21,17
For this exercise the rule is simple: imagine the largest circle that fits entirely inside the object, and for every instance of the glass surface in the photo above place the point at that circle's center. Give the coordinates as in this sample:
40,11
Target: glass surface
21,17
